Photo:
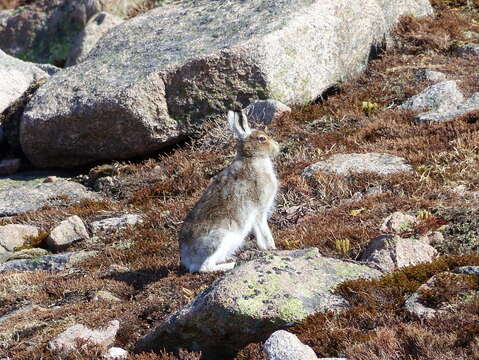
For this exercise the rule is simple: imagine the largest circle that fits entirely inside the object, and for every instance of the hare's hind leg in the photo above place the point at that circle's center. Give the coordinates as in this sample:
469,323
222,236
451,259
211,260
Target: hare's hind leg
228,242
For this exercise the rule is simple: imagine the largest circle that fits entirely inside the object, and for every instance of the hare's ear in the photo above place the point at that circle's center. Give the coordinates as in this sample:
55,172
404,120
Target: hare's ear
239,124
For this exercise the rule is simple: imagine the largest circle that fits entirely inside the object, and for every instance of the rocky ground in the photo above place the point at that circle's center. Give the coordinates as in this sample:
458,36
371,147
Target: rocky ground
380,175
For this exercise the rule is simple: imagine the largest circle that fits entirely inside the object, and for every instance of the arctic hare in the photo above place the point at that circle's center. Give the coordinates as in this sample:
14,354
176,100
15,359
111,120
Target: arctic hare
236,203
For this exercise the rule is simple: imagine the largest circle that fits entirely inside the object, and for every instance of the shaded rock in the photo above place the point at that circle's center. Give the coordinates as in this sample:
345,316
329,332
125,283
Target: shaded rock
430,75
67,232
9,166
15,235
46,263
343,164
67,341
116,353
469,105
266,112
467,50
28,254
17,76
390,252
44,30
21,312
256,298
283,345
438,97
116,222
398,222
87,39
17,200
48,68
152,80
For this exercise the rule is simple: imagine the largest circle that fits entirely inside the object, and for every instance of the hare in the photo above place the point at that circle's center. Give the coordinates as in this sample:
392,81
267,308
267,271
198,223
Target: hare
236,203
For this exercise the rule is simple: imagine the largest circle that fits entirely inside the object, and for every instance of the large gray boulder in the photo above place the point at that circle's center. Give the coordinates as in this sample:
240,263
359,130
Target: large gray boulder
44,30
17,200
150,80
256,298
16,77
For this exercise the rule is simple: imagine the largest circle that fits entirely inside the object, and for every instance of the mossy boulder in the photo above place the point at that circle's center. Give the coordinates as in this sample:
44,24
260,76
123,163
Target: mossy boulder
258,297
154,79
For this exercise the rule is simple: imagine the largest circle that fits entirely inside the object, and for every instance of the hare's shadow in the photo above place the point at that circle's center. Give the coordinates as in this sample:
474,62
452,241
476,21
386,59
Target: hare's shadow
139,279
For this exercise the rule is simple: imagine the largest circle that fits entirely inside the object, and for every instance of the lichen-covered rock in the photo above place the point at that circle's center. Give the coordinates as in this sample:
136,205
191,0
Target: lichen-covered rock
256,298
14,235
151,80
266,112
16,77
17,200
283,345
68,340
46,263
390,252
28,254
67,232
44,30
87,39
398,222
343,164
438,97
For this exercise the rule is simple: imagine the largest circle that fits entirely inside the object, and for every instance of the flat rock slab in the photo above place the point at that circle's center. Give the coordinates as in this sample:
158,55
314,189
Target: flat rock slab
68,340
344,164
46,263
152,79
16,77
116,223
256,298
17,200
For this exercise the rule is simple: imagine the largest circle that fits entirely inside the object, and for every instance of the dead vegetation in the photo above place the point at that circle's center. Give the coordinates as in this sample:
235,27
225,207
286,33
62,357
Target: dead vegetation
140,265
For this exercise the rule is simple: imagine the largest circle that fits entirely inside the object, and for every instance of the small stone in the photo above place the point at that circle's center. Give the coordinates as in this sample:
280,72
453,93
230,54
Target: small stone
390,252
103,295
67,341
344,164
438,97
46,263
266,112
116,353
116,222
104,183
15,235
458,109
67,232
51,179
467,50
468,270
398,222
9,166
430,75
283,345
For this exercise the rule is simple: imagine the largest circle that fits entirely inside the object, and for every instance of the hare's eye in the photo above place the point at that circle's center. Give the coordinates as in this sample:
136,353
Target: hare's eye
262,138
